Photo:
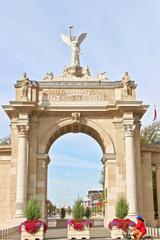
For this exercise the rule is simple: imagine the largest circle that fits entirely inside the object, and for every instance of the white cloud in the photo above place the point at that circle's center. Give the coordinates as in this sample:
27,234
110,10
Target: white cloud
68,161
77,182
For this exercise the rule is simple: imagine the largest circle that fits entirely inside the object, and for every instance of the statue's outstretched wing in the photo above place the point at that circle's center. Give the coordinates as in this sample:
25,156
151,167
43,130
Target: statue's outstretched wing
81,38
66,39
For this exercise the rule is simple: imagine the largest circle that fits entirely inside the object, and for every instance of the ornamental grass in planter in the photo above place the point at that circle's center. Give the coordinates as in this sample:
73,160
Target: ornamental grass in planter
33,225
121,223
78,227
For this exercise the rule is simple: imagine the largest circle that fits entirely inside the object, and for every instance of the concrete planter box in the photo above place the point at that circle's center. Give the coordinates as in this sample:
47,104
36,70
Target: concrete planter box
74,234
39,235
116,233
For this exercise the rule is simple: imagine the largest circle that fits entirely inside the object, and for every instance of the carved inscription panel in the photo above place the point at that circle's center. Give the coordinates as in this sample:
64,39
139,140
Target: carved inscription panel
52,95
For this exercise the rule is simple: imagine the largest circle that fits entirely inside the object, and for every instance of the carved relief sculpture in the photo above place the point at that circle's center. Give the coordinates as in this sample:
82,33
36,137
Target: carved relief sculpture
24,85
127,84
102,76
76,117
49,76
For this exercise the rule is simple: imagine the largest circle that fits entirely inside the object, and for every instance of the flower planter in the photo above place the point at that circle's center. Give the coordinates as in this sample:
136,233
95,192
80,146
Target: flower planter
78,234
118,225
116,233
39,235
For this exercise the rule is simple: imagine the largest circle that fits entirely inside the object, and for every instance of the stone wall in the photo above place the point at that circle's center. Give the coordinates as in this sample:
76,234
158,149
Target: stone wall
5,173
150,157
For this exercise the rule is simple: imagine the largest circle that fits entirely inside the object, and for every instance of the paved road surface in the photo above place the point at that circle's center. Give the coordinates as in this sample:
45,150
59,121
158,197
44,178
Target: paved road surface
95,233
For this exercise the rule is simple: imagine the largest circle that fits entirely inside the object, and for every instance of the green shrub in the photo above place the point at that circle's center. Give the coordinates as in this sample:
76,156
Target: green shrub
33,211
62,213
78,210
121,208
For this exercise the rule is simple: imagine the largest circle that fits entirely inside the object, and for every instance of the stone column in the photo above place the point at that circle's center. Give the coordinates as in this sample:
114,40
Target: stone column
42,173
130,166
110,186
22,170
158,186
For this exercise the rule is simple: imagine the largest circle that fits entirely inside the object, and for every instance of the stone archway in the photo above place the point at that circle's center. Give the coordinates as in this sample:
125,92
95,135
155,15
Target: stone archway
38,121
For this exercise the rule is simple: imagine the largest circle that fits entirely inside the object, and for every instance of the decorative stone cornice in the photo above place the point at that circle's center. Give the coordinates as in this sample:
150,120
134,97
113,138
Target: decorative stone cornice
44,158
108,157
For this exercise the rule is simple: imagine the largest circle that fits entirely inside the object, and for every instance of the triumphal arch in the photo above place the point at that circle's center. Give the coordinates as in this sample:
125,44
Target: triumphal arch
76,102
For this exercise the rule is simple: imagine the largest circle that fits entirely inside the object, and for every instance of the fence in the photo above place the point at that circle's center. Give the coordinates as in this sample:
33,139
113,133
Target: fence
8,232
154,232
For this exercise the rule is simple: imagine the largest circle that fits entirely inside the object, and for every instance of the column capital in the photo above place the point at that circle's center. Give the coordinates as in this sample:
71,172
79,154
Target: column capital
23,130
128,129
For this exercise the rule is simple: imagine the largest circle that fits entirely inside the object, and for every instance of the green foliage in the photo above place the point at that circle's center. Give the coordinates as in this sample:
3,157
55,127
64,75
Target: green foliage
78,210
154,182
87,213
151,134
5,140
122,207
50,208
33,211
62,213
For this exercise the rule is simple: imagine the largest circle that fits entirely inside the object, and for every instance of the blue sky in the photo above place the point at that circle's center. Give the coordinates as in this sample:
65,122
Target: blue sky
122,36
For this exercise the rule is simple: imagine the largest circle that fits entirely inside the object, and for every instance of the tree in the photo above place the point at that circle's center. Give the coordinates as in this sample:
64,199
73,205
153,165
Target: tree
154,184
5,140
78,210
62,213
151,134
51,208
87,213
33,210
102,178
121,208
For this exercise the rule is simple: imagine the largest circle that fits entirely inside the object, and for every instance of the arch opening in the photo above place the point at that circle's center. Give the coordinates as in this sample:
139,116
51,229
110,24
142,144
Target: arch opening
74,169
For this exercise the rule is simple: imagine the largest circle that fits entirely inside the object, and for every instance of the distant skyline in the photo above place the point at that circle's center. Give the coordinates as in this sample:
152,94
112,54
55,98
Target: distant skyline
122,36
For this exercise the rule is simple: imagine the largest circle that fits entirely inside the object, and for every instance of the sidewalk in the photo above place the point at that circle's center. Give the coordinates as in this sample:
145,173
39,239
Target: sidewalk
61,234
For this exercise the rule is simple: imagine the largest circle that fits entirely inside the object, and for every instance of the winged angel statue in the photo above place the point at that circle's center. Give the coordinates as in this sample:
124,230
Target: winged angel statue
74,44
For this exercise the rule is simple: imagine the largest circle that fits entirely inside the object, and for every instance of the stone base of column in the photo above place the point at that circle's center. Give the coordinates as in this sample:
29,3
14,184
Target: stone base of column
19,214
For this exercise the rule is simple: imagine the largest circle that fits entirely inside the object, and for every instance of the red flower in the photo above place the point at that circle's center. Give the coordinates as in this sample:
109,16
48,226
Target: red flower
33,226
79,226
123,224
